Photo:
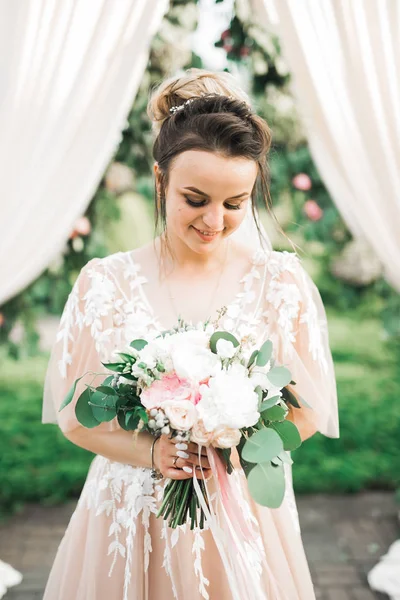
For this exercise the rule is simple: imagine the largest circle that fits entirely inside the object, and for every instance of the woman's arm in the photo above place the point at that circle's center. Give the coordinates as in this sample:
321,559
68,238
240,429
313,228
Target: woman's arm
118,445
121,446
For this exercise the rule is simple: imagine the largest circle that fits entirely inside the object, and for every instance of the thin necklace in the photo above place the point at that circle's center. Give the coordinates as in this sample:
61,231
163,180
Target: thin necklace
216,288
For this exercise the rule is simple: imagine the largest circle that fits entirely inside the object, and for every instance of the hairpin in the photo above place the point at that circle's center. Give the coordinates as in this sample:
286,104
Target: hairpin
175,108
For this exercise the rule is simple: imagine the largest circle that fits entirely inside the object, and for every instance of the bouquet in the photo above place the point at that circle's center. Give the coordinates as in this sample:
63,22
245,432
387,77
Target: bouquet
202,385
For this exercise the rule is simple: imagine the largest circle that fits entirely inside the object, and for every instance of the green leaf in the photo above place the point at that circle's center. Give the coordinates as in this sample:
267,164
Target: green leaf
108,380
267,484
83,410
275,413
285,457
258,390
221,335
289,434
103,407
138,344
262,446
268,403
264,354
127,358
252,359
279,376
290,398
68,398
107,389
117,367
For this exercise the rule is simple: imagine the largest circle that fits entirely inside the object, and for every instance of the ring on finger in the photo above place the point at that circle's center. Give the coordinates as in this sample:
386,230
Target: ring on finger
174,461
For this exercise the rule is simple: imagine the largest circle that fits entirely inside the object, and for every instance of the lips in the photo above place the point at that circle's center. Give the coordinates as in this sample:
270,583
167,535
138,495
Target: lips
206,235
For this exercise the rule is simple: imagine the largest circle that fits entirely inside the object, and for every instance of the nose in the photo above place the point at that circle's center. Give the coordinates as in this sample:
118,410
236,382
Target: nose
214,218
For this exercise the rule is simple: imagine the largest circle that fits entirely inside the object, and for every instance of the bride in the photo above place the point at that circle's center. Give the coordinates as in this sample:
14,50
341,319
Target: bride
210,154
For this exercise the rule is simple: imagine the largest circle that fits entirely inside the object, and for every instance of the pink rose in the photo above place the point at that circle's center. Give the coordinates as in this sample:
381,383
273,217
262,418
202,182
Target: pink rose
302,182
170,387
312,210
181,414
226,437
200,436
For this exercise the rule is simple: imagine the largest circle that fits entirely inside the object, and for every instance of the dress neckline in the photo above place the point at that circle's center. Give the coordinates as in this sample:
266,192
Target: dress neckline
237,299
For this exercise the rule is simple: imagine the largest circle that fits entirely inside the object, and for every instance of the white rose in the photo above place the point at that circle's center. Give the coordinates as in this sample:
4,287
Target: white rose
194,362
181,414
229,400
225,348
200,436
226,437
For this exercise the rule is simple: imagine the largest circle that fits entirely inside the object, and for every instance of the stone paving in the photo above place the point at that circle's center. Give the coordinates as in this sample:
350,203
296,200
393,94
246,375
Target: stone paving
344,536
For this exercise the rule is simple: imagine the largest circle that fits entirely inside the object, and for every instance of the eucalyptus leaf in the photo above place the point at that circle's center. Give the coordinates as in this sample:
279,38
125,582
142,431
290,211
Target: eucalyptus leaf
68,398
279,376
264,354
275,413
262,446
268,403
225,335
289,434
267,484
83,410
285,457
107,389
259,392
252,359
138,344
103,407
108,380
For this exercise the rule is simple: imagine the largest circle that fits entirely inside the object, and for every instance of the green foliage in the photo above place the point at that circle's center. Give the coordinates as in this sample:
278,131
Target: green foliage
367,454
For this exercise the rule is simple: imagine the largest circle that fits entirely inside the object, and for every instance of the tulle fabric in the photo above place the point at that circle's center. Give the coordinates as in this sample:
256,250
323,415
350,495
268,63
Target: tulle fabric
109,307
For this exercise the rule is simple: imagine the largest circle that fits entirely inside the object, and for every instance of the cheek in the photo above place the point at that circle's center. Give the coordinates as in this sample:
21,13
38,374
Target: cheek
234,218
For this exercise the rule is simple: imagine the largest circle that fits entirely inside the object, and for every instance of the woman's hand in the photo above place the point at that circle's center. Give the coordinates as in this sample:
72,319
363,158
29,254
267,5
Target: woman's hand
177,459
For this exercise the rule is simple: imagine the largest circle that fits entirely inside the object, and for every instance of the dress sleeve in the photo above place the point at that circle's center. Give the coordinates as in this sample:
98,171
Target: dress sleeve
299,327
84,340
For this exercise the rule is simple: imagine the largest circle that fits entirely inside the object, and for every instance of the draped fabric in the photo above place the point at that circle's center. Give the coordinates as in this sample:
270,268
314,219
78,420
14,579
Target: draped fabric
345,63
69,72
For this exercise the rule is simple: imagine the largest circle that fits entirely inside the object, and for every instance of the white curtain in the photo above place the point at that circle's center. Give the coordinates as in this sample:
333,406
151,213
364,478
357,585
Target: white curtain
344,58
69,72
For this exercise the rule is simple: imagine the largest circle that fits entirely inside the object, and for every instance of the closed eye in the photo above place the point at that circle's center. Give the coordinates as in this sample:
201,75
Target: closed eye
203,202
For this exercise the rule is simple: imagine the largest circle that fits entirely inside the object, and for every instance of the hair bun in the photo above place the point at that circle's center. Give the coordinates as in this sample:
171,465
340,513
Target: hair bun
194,82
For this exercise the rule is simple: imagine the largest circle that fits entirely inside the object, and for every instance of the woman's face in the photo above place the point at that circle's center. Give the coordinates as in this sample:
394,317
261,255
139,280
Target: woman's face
207,197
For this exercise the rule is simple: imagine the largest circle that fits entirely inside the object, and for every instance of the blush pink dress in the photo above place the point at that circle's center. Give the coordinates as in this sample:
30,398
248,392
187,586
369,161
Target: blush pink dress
114,546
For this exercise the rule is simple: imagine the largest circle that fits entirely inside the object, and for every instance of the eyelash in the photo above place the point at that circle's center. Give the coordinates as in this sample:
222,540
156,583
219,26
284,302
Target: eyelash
198,204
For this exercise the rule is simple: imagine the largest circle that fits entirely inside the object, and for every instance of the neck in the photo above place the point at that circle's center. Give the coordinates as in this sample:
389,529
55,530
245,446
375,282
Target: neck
176,253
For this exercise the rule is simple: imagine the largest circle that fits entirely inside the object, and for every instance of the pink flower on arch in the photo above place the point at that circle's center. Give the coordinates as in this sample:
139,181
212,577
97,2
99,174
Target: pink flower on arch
302,182
313,210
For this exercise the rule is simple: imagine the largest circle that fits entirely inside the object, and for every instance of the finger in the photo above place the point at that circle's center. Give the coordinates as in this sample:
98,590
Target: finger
188,467
172,473
194,459
189,447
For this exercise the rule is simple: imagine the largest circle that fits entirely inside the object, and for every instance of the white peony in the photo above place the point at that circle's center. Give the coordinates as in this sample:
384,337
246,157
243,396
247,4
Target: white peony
229,400
194,363
225,348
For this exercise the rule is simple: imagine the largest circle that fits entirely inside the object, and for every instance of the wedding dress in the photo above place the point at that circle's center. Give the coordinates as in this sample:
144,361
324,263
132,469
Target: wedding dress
114,546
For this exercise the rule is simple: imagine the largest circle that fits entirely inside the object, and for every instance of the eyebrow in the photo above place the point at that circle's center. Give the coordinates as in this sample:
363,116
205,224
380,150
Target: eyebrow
193,189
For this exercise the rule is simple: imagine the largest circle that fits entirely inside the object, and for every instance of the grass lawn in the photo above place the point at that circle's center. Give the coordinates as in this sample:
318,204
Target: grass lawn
39,464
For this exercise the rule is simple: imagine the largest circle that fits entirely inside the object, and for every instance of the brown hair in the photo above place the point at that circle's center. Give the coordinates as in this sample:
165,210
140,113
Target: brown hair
219,118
